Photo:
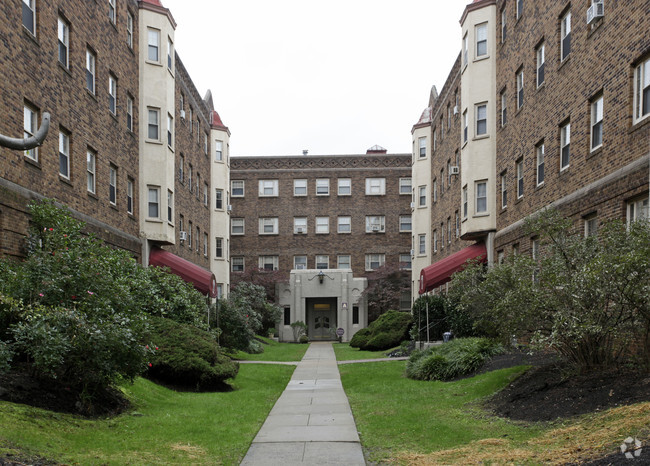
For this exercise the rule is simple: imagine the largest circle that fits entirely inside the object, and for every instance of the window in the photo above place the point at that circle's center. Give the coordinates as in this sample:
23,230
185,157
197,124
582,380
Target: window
449,230
442,236
374,261
375,186
300,262
64,42
181,168
237,264
520,8
540,65
322,262
422,196
198,186
129,30
520,178
129,196
111,11
504,108
218,199
504,190
457,224
343,261
170,207
422,243
90,171
642,91
405,186
481,197
29,15
405,223
90,71
189,235
520,89
170,126
540,163
287,315
597,123
405,262
465,49
189,177
153,41
355,315
503,25
205,244
299,187
344,225
435,139
322,225
154,203
344,186
423,147
464,201
170,54
64,155
465,124
442,181
153,124
268,226
434,190
112,184
591,225
515,249
500,257
448,115
300,225
323,187
237,188
534,247
112,94
205,143
565,145
637,209
481,40
237,226
268,188
218,151
198,129
481,119
30,120
205,194
129,113
565,35
375,223
442,129
189,120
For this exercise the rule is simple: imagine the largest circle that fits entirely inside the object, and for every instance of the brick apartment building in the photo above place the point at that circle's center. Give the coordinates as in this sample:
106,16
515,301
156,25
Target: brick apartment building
554,110
326,222
127,128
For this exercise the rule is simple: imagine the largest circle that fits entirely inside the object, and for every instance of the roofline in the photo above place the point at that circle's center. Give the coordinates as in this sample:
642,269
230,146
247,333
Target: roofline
476,6
242,157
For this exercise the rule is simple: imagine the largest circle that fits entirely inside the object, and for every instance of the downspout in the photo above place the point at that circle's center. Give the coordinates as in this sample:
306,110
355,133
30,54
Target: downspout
31,142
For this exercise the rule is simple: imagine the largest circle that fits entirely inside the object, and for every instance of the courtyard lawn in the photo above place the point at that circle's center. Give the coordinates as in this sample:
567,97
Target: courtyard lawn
274,351
166,427
344,352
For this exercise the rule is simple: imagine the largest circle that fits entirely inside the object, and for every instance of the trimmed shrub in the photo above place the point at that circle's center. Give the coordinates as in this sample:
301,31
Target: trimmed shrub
388,331
303,339
360,338
188,357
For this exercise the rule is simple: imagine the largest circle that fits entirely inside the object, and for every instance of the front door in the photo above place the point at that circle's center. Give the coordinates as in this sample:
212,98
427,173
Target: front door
322,321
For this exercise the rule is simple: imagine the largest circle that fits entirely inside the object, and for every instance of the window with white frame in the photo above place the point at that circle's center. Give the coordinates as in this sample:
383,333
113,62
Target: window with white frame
129,195
449,230
323,187
457,225
637,209
540,64
465,49
565,145
170,207
205,244
422,196
237,188
205,143
481,119
30,123
218,199
129,112
422,142
520,8
520,88
375,186
112,184
464,194
91,159
344,224
343,261
268,262
218,151
375,223
597,122
111,11
170,128
322,262
129,30
442,181
268,188
405,223
189,235
153,202
90,70
190,172
189,120
504,108
300,262
322,225
181,168
442,236
435,139
642,90
503,25
591,225
405,186
539,149
300,225
442,129
153,123
268,226
481,40
405,262
481,197
29,15
198,186
504,189
534,247
520,178
465,124
237,264
64,154
64,42
374,261
170,54
434,190
205,194
299,187
344,186
153,45
236,226
422,243
565,35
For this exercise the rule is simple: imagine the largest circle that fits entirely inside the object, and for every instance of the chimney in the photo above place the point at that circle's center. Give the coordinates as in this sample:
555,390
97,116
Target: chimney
305,152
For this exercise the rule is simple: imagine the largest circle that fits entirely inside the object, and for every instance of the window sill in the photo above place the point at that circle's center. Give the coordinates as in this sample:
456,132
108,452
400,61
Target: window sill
541,87
483,214
595,27
153,141
65,180
113,115
639,124
565,170
153,220
595,152
114,207
539,186
153,63
32,162
566,60
30,35
482,136
90,94
66,69
481,58
92,195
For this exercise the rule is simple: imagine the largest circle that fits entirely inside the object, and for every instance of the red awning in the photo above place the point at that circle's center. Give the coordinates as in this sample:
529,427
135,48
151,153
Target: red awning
203,280
440,273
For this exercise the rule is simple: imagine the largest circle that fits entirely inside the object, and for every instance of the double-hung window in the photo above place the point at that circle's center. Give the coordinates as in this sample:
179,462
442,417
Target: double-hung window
540,64
405,186
642,91
520,88
322,262
638,209
374,261
375,223
465,209
237,264
503,25
343,261
344,224
300,262
344,186
269,226
29,15
205,194
565,145
153,124
153,45
504,190
170,55
64,42
129,30
170,207
111,11
481,119
112,94
268,262
112,184
323,187
504,108
597,123
481,197
481,40
237,188
90,71
268,188
422,196
405,262
422,244
129,113
153,203
299,187
520,178
322,225
30,121
237,226
170,127
405,223
218,199
540,163
520,8
422,143
375,186
299,225
465,50
91,160
218,151
64,155
565,35
465,125
129,196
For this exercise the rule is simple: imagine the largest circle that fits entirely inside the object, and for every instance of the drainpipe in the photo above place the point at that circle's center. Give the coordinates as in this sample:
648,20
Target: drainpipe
31,142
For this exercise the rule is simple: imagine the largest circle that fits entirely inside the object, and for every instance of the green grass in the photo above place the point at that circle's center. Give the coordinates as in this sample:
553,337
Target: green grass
344,352
395,414
274,351
167,427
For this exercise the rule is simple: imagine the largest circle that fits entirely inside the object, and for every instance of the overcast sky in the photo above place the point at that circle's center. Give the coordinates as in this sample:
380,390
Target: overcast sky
333,77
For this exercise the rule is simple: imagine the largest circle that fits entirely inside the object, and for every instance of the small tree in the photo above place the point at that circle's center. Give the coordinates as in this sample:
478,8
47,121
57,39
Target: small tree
386,285
261,277
299,329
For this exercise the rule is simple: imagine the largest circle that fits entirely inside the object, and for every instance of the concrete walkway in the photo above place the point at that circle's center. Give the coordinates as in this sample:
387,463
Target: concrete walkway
311,423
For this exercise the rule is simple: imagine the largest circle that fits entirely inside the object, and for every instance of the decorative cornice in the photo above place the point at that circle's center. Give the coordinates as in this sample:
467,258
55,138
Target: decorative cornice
310,162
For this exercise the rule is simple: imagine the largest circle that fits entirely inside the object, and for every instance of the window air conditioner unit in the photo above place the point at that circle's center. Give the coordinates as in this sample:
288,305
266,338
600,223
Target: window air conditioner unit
455,109
377,228
454,170
229,208
300,231
183,114
412,205
595,12
412,252
183,236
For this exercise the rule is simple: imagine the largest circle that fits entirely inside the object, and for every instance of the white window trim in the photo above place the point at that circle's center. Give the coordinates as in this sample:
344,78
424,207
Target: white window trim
422,199
322,183
156,124
478,41
30,118
595,121
322,226
151,46
540,57
112,184
235,262
268,184
322,259
232,188
263,261
520,176
422,147
380,260
299,224
154,189
422,243
565,30
641,77
477,184
91,170
237,220
565,140
375,186
380,224
403,183
340,223
410,217
540,164
344,183
64,152
295,262
477,110
348,262
91,71
266,222
63,35
300,184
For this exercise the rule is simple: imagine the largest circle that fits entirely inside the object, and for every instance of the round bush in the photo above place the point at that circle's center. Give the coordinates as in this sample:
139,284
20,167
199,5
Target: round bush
388,331
434,367
304,339
360,338
380,341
